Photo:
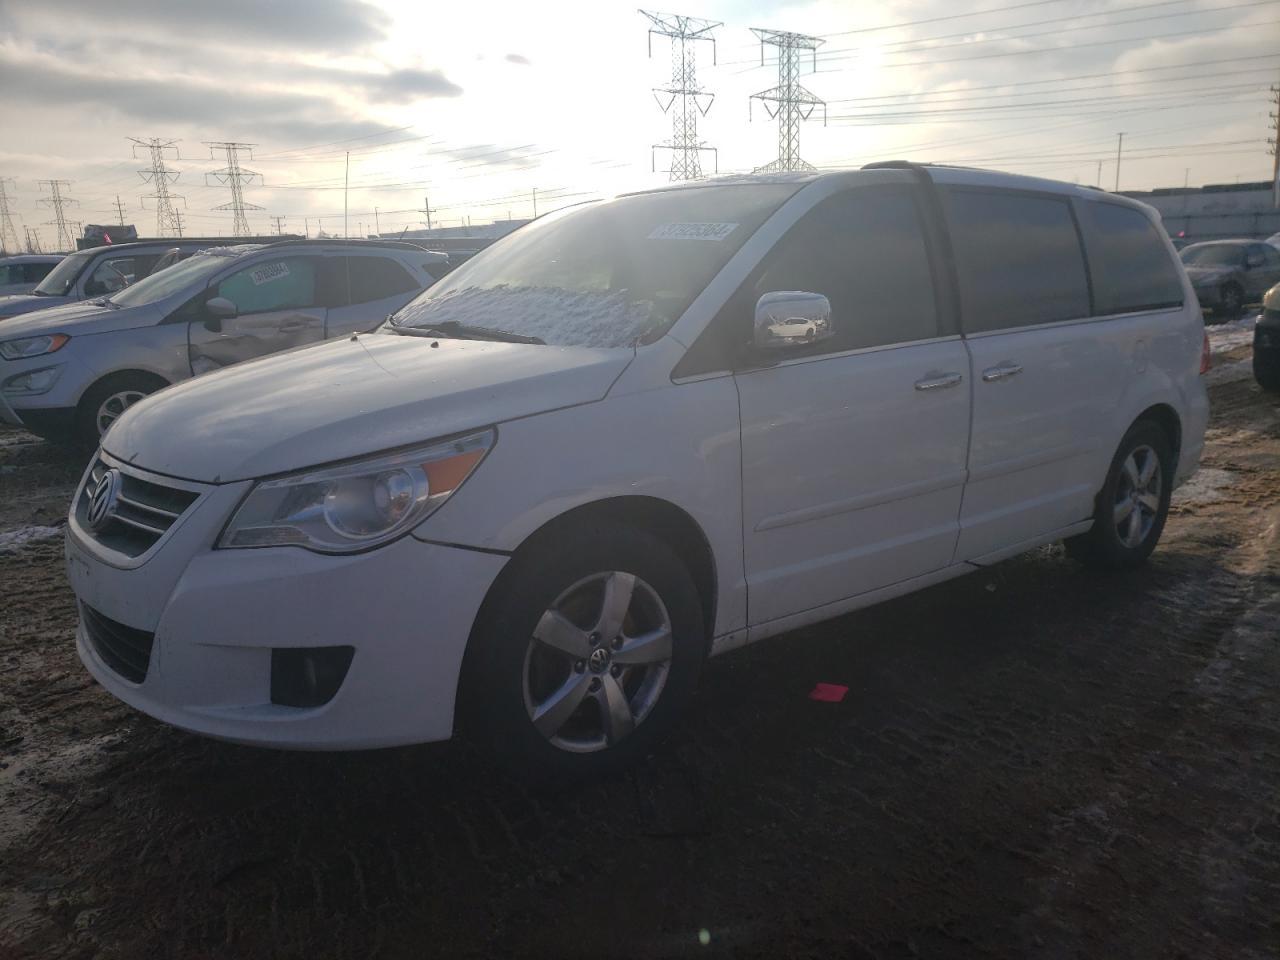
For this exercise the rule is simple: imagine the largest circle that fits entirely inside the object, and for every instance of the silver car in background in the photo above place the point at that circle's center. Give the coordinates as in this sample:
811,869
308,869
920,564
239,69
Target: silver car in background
21,273
68,372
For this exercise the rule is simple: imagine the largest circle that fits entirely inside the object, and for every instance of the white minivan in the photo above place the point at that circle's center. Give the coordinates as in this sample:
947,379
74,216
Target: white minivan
632,435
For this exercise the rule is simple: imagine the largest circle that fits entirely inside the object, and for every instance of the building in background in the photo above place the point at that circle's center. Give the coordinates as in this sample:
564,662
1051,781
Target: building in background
1215,212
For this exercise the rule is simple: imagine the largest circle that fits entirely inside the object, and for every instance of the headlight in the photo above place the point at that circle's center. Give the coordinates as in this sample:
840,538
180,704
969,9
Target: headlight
33,346
355,506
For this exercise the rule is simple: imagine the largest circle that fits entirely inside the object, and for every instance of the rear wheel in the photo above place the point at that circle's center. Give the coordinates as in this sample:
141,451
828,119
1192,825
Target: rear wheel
106,400
585,655
1131,509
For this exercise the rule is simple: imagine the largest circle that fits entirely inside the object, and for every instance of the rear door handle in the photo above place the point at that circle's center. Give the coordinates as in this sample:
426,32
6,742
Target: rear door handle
1000,371
939,381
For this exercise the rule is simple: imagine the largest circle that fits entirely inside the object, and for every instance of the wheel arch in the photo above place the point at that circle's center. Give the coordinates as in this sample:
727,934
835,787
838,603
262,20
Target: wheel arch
653,515
119,374
1165,417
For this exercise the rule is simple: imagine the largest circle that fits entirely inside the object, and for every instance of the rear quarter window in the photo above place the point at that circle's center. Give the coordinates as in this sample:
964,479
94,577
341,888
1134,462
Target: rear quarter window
1019,259
1131,267
376,278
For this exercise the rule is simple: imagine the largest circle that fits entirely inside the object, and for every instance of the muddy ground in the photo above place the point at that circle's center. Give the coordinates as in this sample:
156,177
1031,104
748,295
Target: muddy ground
1031,762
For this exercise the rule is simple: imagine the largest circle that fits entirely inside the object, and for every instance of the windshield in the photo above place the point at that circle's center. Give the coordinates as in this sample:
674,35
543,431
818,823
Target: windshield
171,280
602,275
62,278
1213,255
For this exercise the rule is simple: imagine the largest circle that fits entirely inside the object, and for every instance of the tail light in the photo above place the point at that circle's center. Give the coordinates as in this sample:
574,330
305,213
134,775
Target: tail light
1205,354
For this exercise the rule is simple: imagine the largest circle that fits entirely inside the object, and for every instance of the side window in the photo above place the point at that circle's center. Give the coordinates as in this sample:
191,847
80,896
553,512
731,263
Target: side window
863,250
36,272
284,283
1131,268
1018,257
10,273
375,278
109,275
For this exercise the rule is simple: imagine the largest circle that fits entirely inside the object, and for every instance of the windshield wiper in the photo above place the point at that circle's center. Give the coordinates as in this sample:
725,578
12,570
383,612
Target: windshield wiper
454,330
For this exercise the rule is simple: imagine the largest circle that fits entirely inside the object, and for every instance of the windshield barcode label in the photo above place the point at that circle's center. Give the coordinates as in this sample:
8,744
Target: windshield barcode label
269,272
692,231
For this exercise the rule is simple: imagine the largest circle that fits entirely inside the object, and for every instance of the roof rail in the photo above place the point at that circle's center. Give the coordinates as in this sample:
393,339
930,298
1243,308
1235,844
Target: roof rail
353,242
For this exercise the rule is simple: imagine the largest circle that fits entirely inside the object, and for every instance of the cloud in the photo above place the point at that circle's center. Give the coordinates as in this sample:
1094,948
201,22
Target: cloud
298,24
517,58
402,86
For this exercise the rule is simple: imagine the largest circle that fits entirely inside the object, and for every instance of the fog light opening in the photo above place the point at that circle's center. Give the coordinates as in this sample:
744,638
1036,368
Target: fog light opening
308,676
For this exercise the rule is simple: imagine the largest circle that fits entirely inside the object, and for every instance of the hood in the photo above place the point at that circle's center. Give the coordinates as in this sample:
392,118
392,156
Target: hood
1209,274
78,318
26,302
351,397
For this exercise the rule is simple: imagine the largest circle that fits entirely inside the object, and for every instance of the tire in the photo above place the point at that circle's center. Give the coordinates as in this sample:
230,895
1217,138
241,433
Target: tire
1266,370
556,590
1232,299
1116,541
110,397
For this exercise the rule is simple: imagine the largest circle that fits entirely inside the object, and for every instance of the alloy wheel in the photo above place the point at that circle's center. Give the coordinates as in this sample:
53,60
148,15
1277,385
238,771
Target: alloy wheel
597,662
111,408
1138,492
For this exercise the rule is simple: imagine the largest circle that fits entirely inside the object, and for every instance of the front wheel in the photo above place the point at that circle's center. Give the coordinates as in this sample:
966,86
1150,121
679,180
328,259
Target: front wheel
103,403
586,654
1131,509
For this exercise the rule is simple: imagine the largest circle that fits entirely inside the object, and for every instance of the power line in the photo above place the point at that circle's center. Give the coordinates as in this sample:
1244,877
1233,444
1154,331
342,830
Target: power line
56,201
159,177
685,99
236,177
789,102
8,236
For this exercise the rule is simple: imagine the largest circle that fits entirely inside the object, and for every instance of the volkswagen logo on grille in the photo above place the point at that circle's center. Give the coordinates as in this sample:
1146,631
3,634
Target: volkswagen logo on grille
102,501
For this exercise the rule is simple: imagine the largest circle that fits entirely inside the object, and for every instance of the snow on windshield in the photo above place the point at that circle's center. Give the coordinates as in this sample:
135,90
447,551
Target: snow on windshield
559,317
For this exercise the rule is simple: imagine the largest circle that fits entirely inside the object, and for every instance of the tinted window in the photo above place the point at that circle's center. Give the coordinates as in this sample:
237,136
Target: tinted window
11,274
38,271
1131,268
285,283
1018,258
376,278
865,252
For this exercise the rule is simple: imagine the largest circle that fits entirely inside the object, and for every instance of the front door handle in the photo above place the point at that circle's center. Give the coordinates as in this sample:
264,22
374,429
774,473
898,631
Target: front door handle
1000,371
938,381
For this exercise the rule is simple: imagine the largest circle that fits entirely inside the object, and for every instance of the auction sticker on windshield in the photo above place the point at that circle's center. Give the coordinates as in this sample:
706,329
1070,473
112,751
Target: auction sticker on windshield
268,272
692,231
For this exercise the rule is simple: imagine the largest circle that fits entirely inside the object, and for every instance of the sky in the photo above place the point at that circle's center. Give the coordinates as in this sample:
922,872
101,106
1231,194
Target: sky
472,107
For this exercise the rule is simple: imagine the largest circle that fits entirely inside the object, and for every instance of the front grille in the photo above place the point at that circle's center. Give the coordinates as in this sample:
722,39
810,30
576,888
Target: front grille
144,511
125,650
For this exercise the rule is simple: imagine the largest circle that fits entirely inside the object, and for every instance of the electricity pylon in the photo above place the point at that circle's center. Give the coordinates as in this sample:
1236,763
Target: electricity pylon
160,178
56,201
235,177
684,99
789,102
8,235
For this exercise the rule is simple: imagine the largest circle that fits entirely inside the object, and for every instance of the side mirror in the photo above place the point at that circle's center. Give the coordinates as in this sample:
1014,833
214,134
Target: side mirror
792,318
1254,260
221,308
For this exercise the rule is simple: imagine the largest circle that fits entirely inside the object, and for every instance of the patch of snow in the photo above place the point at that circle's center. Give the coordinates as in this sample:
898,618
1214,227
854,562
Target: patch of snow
1205,486
1228,336
561,318
1229,372
11,541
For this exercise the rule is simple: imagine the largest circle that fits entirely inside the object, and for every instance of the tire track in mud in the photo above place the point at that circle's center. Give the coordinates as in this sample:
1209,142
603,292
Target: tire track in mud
1031,762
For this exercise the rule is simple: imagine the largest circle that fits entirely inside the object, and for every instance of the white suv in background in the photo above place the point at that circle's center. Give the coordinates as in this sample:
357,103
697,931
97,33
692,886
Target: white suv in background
631,435
69,371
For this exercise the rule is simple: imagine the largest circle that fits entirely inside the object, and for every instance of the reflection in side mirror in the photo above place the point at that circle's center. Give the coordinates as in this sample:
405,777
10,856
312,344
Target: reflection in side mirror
221,308
791,318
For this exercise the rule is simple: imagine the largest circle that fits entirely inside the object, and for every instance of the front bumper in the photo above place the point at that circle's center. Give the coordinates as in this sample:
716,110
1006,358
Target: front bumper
407,609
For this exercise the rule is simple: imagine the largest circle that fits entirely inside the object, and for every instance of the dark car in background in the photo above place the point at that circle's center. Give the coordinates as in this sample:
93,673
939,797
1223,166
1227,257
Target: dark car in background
1227,274
1266,342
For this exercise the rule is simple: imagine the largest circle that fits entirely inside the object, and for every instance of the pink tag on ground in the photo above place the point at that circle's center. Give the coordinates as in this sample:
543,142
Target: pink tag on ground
828,692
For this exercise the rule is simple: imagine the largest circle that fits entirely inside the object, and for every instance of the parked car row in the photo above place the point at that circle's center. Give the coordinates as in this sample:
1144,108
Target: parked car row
21,273
68,372
628,436
1227,274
